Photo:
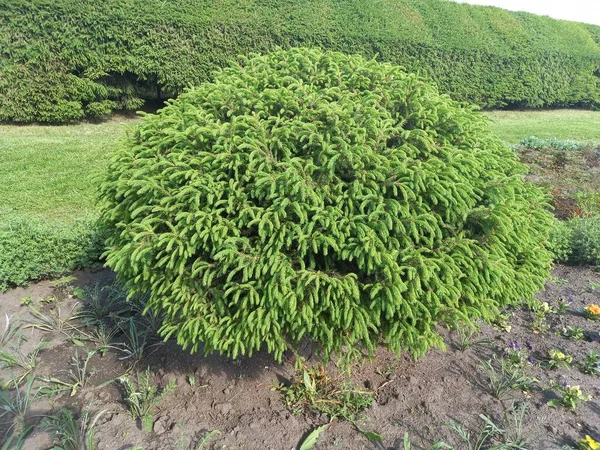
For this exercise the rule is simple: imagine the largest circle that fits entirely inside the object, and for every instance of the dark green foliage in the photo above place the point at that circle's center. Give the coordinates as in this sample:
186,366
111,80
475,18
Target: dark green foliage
577,241
63,60
320,195
32,248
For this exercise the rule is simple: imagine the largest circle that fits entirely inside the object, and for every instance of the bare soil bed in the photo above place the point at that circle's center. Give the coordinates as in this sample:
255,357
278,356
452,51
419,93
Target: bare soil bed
223,404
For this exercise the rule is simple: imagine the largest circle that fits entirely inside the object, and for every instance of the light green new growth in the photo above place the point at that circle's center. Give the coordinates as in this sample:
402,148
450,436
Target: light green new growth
315,194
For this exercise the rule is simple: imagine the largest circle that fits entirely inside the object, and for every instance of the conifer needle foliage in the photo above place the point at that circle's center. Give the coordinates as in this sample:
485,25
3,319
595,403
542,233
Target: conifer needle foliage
314,194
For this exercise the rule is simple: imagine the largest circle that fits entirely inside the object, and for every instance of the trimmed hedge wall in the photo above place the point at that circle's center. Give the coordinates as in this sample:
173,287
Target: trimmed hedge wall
64,60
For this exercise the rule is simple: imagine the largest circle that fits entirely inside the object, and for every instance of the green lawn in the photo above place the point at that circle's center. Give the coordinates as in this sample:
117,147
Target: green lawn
52,170
512,126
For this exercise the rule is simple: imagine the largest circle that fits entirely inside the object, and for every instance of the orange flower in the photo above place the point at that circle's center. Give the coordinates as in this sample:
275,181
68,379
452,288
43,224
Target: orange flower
593,310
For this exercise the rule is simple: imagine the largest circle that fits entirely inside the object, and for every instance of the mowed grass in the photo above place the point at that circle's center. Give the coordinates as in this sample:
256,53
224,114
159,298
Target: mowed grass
53,171
579,125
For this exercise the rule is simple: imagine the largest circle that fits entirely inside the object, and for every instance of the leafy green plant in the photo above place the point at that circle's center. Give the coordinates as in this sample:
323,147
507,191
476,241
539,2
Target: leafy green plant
562,305
513,439
10,331
142,397
557,359
18,360
77,377
570,396
137,343
591,363
313,389
466,338
540,310
16,406
407,445
101,304
592,312
205,440
66,81
575,333
351,209
503,377
71,433
32,248
56,320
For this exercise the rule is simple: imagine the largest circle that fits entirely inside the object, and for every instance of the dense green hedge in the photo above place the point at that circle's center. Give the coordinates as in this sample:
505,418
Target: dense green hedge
62,60
32,248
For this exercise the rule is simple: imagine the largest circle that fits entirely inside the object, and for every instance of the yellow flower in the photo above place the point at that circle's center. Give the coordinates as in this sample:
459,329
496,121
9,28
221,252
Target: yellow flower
593,310
588,444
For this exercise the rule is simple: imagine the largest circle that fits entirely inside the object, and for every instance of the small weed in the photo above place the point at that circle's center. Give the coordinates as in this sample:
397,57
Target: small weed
315,390
191,380
559,359
78,376
504,377
141,397
26,301
16,406
512,439
71,433
516,356
466,338
540,310
501,322
55,321
571,396
103,337
591,363
25,362
575,333
406,445
9,332
562,305
102,304
136,343
205,440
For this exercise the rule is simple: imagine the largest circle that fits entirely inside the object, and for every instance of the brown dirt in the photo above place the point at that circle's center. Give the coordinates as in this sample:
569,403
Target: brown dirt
237,397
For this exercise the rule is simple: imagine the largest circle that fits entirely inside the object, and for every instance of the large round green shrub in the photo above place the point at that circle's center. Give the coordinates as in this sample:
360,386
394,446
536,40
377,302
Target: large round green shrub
314,194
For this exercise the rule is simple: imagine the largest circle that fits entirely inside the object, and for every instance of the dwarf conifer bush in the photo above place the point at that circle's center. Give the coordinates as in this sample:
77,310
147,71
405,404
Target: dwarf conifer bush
314,194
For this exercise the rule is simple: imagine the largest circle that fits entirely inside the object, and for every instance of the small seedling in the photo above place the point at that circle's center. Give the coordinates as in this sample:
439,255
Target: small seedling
501,322
466,338
540,310
516,355
56,321
70,433
25,362
205,440
563,305
314,389
575,333
26,301
10,330
559,359
571,396
137,343
191,380
101,304
504,377
16,406
591,363
141,397
78,376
